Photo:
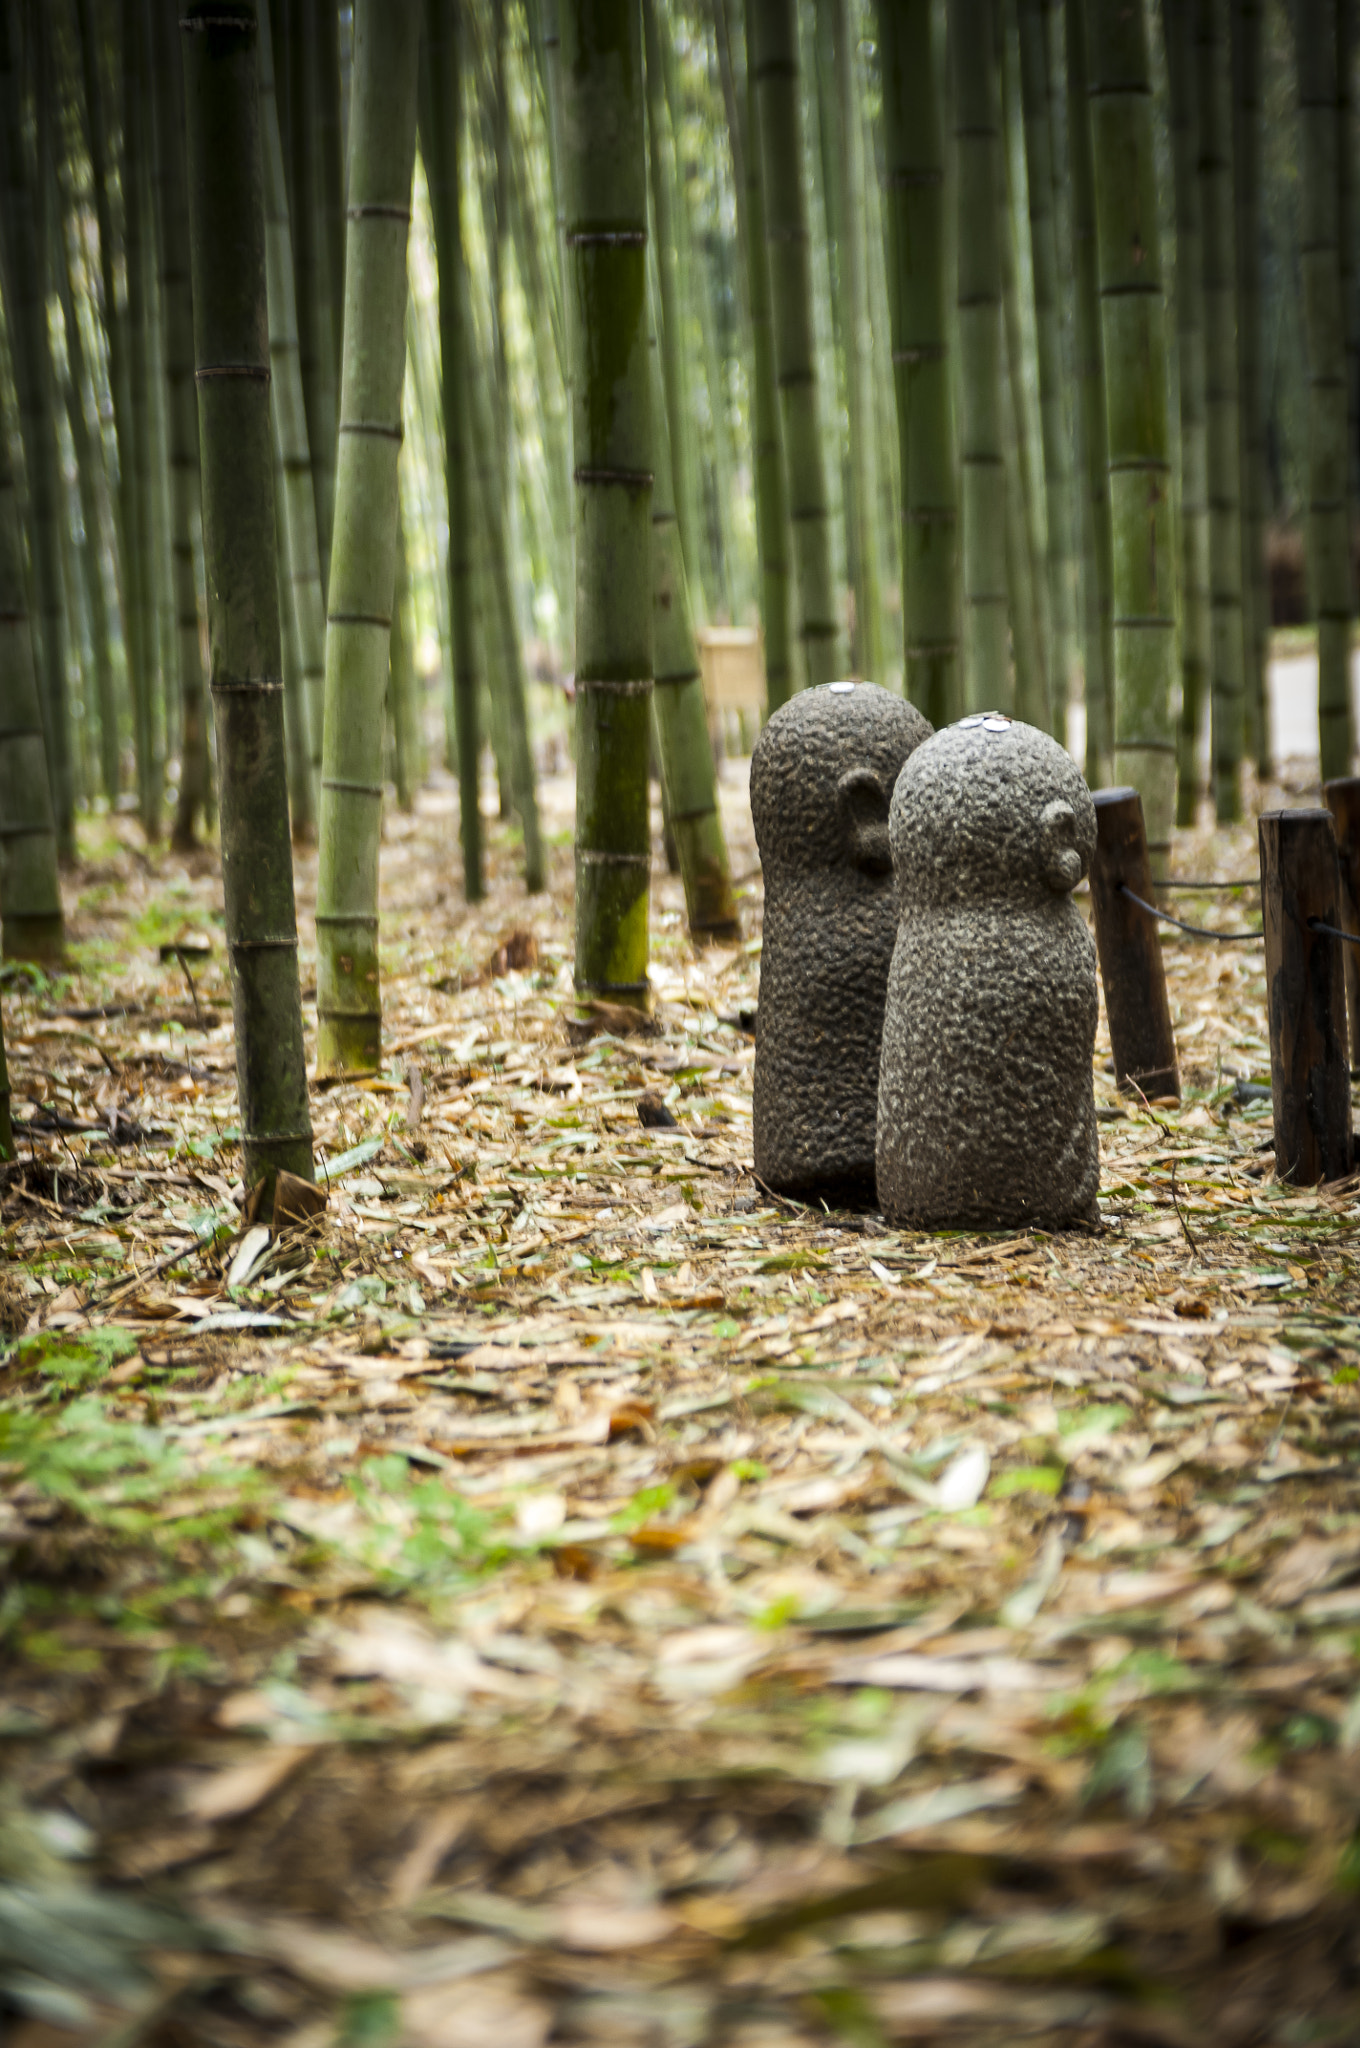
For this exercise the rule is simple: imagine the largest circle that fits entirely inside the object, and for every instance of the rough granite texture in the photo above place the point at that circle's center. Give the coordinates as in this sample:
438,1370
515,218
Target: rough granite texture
822,777
986,1105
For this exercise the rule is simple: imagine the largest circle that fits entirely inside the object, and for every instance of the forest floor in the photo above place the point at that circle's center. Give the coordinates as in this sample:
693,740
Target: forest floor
569,1596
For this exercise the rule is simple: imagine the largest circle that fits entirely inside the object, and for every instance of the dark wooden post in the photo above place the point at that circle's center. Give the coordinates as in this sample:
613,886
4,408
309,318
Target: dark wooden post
1130,948
1310,1075
1343,801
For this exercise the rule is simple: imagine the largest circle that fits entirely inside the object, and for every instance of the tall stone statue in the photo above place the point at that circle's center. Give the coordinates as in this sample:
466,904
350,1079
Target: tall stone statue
822,777
986,1103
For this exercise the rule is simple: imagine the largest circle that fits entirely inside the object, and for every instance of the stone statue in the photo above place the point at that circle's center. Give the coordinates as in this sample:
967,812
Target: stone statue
986,1102
822,777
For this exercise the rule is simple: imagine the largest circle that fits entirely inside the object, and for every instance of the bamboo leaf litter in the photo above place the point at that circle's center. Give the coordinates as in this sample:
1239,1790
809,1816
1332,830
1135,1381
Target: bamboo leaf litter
742,1572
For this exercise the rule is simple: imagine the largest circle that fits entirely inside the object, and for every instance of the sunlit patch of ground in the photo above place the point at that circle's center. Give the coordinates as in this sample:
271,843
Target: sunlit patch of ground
604,1604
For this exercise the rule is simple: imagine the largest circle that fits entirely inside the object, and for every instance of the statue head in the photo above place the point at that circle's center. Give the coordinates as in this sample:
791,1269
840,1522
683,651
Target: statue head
822,776
990,810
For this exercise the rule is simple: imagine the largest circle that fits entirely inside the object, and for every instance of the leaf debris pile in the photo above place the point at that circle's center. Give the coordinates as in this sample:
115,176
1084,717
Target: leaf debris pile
564,1594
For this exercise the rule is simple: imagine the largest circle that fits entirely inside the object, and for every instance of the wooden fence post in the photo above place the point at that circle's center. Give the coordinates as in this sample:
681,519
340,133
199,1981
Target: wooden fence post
1310,1075
1343,801
1130,948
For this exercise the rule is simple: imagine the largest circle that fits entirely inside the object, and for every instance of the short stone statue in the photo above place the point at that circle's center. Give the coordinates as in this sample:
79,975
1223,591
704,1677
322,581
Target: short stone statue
986,1103
822,777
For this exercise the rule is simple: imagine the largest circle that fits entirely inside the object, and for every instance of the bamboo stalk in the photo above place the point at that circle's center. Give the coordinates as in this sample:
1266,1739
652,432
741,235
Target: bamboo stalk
688,774
382,140
1133,333
773,536
317,293
779,118
863,495
306,589
1329,564
1194,523
24,270
675,362
30,893
440,109
985,657
92,484
1034,101
231,328
177,298
916,236
1098,566
1222,409
1247,27
604,181
1026,545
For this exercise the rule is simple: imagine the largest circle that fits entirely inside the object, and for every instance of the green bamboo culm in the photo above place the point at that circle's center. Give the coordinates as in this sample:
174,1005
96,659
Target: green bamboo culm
688,774
231,346
675,360
1097,562
1034,101
296,725
501,624
1194,520
1133,333
115,325
93,485
147,680
1222,412
1329,567
182,405
1247,39
604,168
30,893
441,99
913,147
859,390
773,538
1026,521
779,120
293,448
986,670
402,687
24,272
382,144
313,203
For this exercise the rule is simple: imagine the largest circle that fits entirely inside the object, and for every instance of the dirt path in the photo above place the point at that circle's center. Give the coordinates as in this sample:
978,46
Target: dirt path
575,1598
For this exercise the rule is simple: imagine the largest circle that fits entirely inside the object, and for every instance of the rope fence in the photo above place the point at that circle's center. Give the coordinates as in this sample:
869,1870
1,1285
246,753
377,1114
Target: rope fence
1196,931
1309,882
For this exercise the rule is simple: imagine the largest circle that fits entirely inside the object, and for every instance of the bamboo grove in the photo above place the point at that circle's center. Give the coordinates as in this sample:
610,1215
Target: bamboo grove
398,393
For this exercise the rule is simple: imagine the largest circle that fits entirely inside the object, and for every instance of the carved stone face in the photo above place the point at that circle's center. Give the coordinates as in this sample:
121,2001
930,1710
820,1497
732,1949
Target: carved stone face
991,809
822,778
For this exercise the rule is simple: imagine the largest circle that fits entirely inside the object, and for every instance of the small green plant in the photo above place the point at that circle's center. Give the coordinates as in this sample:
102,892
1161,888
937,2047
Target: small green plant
73,1362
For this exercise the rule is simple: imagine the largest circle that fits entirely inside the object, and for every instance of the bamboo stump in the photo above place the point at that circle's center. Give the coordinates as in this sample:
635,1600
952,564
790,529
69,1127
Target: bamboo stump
1130,949
1343,801
1305,997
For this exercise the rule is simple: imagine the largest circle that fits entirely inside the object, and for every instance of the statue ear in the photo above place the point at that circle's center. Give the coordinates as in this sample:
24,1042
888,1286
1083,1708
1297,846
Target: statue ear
862,809
1059,860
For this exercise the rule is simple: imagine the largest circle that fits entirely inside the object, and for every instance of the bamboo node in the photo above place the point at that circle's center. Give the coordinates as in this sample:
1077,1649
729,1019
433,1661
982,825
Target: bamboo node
257,373
606,238
634,479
